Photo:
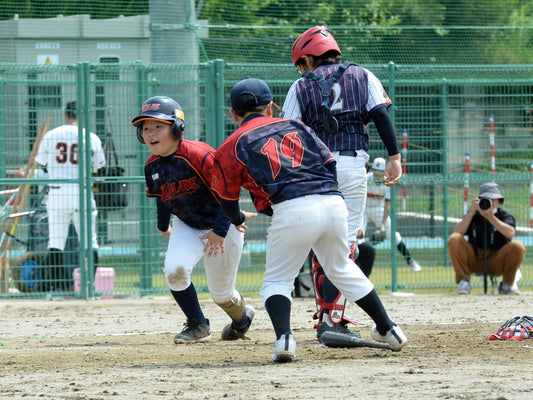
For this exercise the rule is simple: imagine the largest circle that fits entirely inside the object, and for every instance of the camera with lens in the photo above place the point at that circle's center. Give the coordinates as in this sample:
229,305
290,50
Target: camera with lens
484,203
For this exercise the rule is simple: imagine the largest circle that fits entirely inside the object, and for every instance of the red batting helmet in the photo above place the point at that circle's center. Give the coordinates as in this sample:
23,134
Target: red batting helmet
161,108
314,42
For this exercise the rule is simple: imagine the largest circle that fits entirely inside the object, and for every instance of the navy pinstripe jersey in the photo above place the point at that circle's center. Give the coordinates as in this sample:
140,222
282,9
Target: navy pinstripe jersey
183,183
348,101
275,160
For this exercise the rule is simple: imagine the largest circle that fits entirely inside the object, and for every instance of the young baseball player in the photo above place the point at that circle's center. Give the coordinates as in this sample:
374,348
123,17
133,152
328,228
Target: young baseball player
178,176
58,157
378,209
290,174
338,101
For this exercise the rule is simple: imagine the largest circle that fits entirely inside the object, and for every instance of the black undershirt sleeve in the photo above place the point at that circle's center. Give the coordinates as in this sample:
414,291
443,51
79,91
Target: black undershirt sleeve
163,216
383,122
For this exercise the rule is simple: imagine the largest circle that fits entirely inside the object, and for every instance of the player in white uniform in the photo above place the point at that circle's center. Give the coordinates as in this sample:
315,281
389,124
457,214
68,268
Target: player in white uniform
378,210
58,156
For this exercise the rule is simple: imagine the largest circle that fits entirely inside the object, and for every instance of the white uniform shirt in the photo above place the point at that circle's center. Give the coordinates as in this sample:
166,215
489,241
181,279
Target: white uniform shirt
377,193
58,152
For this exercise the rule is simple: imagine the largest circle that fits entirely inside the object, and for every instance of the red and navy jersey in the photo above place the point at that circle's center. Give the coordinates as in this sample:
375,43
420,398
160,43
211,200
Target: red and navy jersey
182,182
349,102
275,160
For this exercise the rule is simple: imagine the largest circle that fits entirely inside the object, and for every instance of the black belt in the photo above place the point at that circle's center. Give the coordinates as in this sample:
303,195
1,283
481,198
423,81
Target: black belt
348,153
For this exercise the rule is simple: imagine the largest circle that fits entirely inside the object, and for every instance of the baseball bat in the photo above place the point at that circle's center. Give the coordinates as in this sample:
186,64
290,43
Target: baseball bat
335,339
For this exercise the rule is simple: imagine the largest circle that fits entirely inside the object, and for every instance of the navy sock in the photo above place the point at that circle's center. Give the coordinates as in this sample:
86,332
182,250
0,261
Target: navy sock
403,250
372,305
188,301
279,311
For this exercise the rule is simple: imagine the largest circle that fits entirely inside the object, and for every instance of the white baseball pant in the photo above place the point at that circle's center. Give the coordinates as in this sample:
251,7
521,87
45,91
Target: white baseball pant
316,222
63,208
185,250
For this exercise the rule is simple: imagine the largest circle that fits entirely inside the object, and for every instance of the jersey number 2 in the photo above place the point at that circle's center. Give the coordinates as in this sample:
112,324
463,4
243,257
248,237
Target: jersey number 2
290,147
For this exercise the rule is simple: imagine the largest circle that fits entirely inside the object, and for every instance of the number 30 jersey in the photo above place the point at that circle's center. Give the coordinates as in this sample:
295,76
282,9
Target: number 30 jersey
275,160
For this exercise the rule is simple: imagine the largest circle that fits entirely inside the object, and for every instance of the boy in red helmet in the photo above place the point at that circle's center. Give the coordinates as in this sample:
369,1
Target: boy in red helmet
338,101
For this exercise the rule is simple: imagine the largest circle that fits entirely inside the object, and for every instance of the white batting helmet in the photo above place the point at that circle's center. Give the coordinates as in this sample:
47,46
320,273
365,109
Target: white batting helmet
379,164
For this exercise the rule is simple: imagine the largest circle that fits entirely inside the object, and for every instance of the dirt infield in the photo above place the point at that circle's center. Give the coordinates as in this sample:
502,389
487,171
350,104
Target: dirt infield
123,349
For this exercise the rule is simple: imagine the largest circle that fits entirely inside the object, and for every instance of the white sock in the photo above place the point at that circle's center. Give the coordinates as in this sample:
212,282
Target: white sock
326,319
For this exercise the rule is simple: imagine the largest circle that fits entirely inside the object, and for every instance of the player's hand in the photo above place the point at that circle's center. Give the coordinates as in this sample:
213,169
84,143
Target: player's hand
213,244
247,216
167,233
393,170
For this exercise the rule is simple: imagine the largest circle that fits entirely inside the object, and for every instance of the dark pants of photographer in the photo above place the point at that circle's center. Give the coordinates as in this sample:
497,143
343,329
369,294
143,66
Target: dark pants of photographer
466,260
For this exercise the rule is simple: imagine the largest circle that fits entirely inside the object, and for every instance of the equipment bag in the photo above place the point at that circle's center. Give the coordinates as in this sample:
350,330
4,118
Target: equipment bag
110,194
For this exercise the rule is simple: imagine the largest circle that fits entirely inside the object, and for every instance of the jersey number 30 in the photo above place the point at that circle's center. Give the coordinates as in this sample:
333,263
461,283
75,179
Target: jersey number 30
290,147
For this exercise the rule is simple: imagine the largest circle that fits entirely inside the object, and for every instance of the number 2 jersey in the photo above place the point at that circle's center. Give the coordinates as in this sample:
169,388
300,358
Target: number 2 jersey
275,160
182,184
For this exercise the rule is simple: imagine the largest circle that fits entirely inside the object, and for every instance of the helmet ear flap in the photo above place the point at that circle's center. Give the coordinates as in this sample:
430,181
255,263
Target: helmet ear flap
140,134
177,129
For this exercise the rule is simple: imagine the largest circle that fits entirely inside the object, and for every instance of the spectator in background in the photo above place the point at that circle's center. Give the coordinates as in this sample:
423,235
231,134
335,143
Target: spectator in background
489,228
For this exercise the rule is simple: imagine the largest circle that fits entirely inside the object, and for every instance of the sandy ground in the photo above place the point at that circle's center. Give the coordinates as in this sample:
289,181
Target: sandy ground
123,349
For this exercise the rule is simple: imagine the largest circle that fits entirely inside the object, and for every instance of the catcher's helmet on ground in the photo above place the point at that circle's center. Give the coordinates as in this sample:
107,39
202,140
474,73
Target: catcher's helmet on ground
314,42
161,108
378,164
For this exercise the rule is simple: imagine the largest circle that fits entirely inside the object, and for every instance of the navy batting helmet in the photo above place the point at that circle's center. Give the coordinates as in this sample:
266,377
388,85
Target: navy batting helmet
161,108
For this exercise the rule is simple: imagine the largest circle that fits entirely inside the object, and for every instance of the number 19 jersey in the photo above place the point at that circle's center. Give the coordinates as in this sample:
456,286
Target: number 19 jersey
275,160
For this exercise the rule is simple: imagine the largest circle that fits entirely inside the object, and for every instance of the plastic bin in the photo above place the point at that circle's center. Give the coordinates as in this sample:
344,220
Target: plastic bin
104,282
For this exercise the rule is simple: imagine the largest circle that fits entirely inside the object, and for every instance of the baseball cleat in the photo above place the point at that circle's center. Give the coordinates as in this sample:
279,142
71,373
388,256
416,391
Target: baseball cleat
415,267
337,328
394,337
284,349
231,333
193,332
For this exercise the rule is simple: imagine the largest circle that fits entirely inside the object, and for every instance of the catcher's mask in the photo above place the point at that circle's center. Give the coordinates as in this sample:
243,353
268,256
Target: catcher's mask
161,108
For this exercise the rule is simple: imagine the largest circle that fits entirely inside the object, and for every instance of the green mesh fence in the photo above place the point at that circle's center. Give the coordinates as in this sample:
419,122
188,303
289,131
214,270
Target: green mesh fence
442,114
456,71
368,31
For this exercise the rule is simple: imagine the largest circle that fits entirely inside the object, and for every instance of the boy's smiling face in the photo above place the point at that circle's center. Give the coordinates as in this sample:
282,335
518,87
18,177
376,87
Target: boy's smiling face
158,137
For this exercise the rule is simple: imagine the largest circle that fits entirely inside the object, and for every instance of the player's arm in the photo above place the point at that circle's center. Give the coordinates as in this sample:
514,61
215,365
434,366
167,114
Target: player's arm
215,238
291,107
385,128
163,218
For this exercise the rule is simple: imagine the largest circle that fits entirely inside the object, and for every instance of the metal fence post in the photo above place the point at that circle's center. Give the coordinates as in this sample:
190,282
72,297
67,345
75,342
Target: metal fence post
394,261
445,200
147,252
220,107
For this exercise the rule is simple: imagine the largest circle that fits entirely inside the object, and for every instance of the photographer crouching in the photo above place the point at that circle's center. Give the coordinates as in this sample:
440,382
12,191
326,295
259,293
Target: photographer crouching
489,228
